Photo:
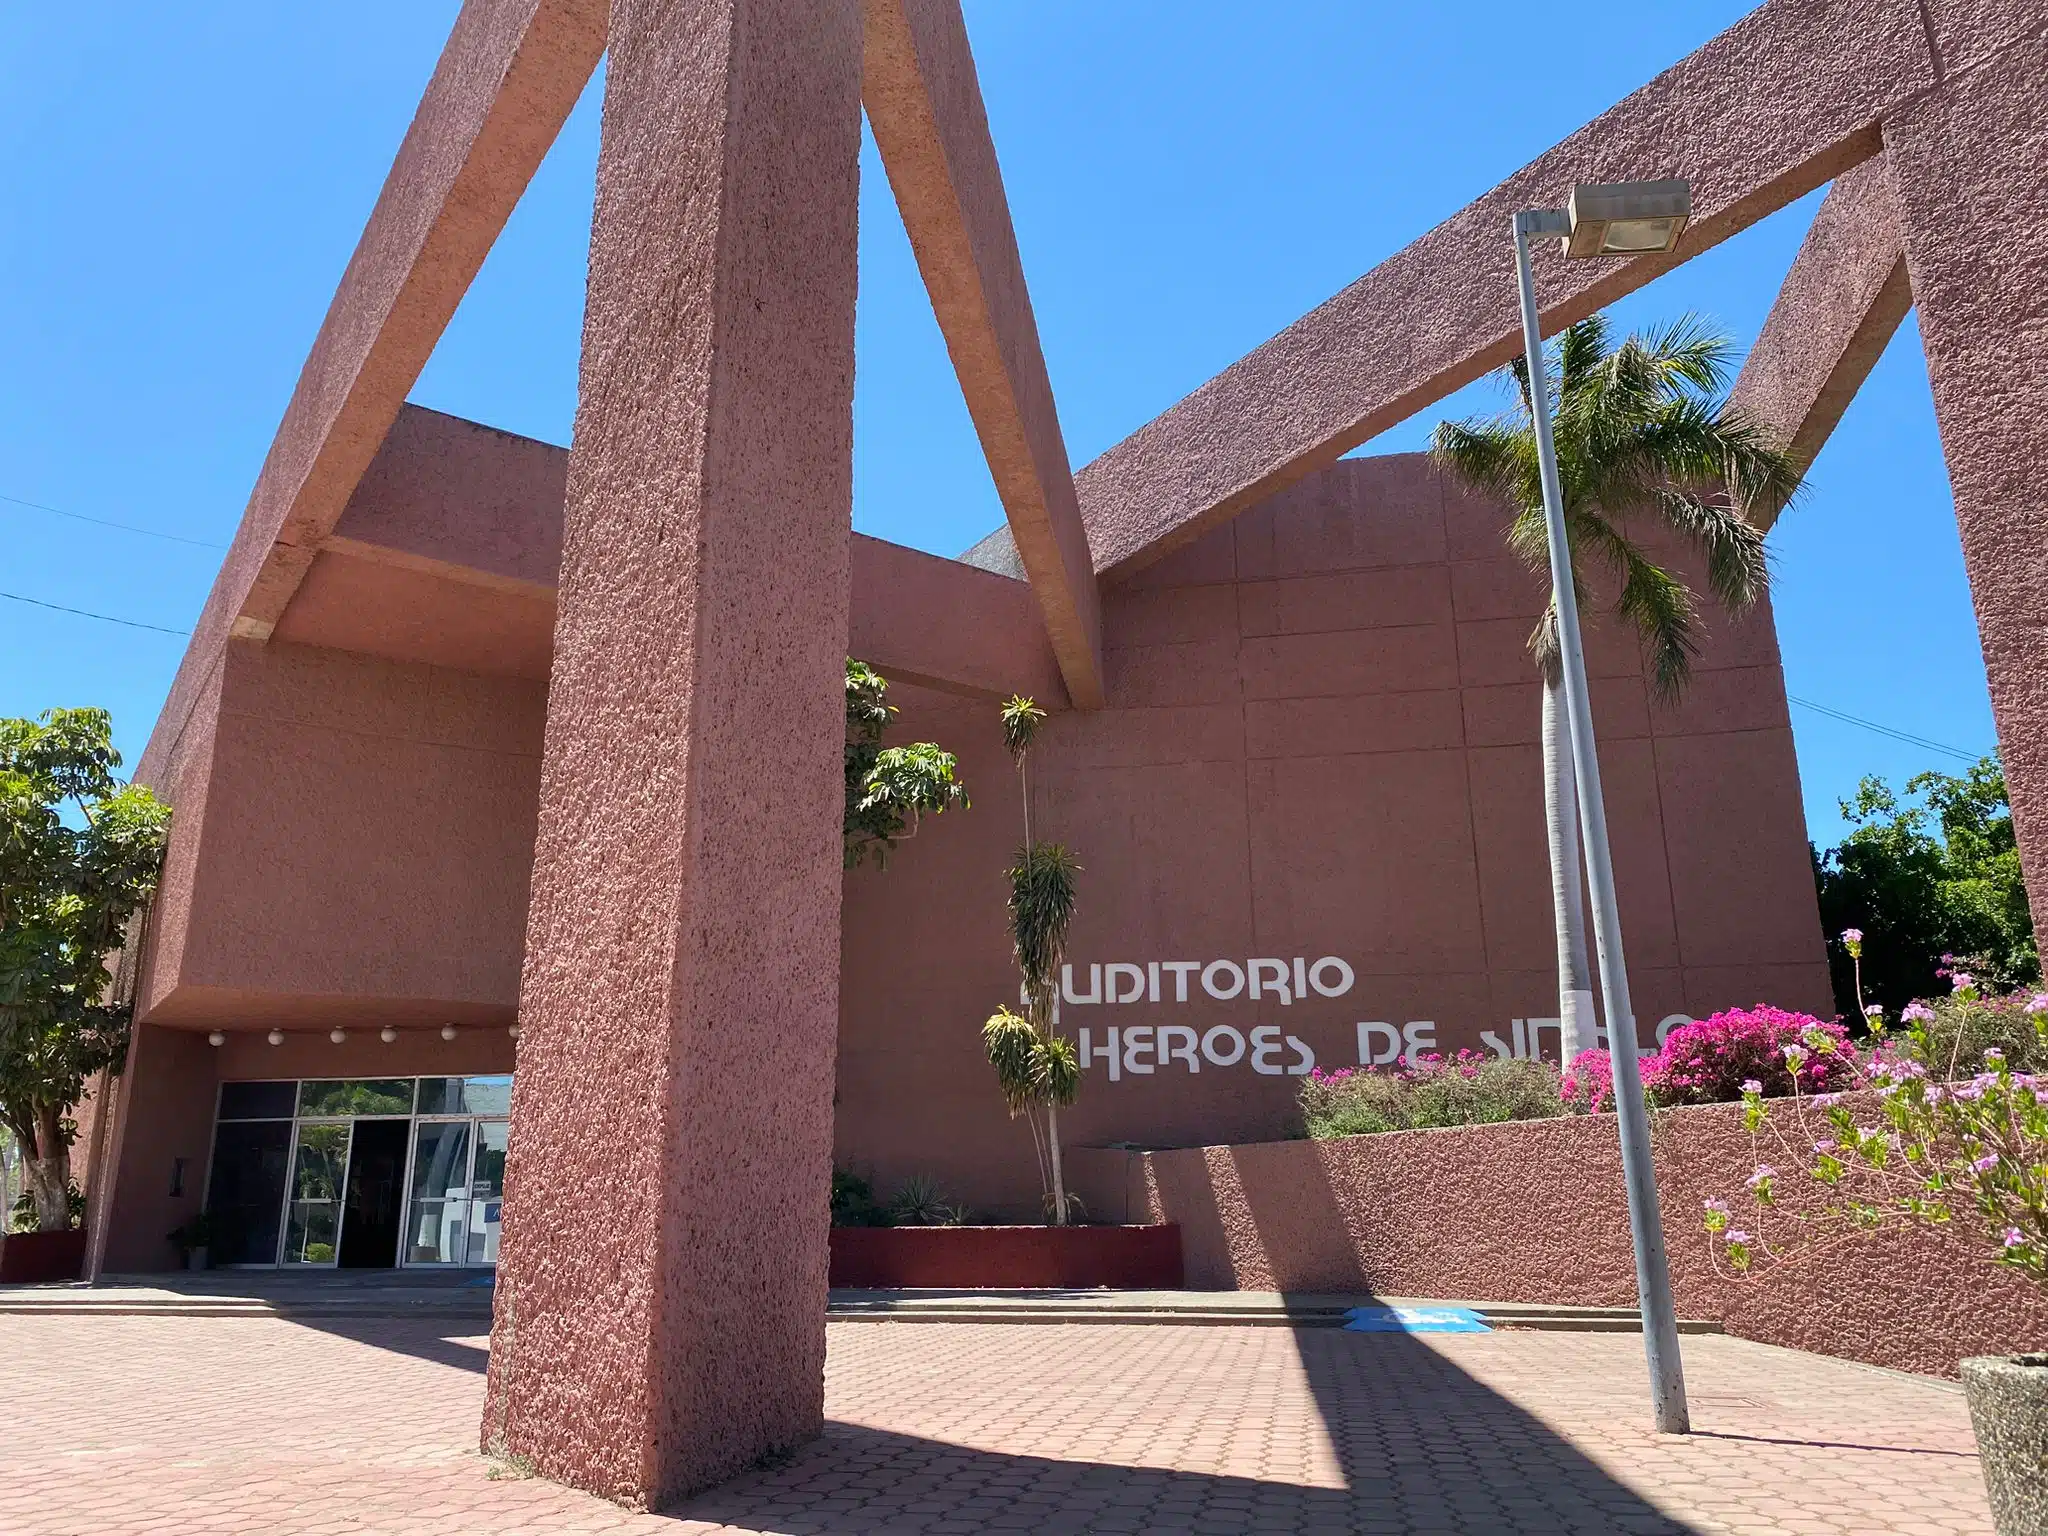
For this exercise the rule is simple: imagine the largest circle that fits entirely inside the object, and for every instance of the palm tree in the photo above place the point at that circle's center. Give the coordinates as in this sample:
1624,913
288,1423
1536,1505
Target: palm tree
1643,430
1035,1066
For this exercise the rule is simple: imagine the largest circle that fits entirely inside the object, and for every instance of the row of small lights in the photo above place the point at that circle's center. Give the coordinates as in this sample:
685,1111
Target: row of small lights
340,1036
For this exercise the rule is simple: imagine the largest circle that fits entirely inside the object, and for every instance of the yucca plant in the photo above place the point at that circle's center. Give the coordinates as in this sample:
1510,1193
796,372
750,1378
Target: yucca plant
1643,430
1036,1067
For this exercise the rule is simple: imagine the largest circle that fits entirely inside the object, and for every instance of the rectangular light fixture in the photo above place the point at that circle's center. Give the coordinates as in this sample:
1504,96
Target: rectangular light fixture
1629,218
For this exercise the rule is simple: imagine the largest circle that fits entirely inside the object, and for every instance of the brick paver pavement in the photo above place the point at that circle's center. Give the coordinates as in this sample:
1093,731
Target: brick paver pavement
118,1425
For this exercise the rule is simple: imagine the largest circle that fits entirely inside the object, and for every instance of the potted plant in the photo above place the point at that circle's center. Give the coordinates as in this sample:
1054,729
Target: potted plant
1956,1142
194,1239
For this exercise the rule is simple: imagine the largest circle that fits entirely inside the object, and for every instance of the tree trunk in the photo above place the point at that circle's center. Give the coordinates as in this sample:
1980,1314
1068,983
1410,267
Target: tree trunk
1059,1179
49,1171
1567,899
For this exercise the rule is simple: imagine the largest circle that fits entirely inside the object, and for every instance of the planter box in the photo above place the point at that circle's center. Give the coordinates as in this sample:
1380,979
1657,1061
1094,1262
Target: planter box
29,1258
2009,1411
1006,1258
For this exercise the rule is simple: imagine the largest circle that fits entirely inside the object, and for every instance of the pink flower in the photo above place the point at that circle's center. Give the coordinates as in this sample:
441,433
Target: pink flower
1984,1165
2014,1237
1751,1085
1852,935
1763,1171
1918,1013
1743,1237
2038,1003
1962,981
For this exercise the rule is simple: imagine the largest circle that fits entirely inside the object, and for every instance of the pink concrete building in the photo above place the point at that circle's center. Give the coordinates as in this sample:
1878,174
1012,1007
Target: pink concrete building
478,926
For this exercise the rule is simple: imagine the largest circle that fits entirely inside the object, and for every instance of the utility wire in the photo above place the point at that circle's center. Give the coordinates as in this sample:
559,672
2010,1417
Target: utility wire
104,618
148,533
1884,730
1820,709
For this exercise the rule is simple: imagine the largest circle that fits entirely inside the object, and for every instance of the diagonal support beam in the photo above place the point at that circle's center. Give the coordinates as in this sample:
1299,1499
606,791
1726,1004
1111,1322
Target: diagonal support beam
507,79
924,103
1841,304
1783,102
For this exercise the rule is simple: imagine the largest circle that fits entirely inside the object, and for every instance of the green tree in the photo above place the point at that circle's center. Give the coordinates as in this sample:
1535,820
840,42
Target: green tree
80,852
1929,876
888,789
1644,431
1035,1065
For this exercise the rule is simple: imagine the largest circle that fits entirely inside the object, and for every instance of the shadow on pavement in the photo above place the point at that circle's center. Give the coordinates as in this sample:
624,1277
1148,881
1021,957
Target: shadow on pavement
1419,1445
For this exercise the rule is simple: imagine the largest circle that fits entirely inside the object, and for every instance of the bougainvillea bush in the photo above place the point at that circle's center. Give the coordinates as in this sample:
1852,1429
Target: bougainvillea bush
1709,1061
1928,1140
1470,1088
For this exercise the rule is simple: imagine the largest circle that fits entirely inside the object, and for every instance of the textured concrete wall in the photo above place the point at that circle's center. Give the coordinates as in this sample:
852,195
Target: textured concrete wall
1321,739
660,1315
166,1113
1968,160
1536,1212
353,834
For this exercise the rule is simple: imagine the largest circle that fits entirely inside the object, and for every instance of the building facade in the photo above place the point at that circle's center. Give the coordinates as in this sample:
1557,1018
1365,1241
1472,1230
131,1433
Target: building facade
1310,822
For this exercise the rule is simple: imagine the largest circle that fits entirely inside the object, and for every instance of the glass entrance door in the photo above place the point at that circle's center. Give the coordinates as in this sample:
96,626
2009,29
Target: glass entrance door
458,1183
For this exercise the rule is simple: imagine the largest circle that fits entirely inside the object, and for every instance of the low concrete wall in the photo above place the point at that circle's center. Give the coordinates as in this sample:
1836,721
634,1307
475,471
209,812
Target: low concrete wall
1535,1212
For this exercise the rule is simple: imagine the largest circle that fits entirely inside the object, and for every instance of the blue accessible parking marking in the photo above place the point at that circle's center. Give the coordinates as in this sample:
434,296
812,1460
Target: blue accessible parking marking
1414,1320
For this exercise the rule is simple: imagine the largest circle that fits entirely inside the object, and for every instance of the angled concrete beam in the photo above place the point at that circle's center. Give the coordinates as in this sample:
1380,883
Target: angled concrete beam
508,77
1841,303
1970,164
924,103
1784,101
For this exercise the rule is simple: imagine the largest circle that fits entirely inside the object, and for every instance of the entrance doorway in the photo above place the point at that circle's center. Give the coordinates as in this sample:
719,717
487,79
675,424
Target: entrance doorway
373,1201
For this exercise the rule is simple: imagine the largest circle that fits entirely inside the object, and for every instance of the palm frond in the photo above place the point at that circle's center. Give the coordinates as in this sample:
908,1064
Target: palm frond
1738,565
1496,456
1660,608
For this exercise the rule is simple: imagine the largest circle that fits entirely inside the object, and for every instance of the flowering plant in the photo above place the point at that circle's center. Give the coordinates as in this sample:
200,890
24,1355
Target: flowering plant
1944,1142
1711,1060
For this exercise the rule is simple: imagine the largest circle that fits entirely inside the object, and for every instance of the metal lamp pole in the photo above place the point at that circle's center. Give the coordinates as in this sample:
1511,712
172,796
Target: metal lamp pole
1653,1273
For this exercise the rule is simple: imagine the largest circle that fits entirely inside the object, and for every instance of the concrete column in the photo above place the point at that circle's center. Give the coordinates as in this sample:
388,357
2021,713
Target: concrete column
660,1312
1970,165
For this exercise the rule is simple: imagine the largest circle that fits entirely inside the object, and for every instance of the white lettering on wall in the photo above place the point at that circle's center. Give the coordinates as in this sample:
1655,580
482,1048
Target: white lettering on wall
1286,981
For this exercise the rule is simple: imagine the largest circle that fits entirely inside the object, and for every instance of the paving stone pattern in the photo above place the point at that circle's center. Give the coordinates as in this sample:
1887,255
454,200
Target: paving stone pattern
122,1425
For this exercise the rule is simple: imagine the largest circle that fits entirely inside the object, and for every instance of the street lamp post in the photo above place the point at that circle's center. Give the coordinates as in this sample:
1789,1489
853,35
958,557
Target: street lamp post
1634,218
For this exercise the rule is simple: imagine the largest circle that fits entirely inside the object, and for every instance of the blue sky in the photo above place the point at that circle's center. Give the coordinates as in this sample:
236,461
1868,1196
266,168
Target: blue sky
184,185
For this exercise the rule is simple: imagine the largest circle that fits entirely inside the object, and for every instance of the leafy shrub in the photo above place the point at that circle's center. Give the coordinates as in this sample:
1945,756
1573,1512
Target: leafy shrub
1471,1088
1965,1026
853,1201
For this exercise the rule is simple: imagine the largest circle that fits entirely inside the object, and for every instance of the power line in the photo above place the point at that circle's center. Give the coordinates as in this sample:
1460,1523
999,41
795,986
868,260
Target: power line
1884,730
148,533
104,618
1821,709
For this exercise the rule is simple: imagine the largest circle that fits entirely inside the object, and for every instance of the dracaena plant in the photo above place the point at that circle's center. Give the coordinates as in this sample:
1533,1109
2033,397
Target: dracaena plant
1920,1136
1036,1067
